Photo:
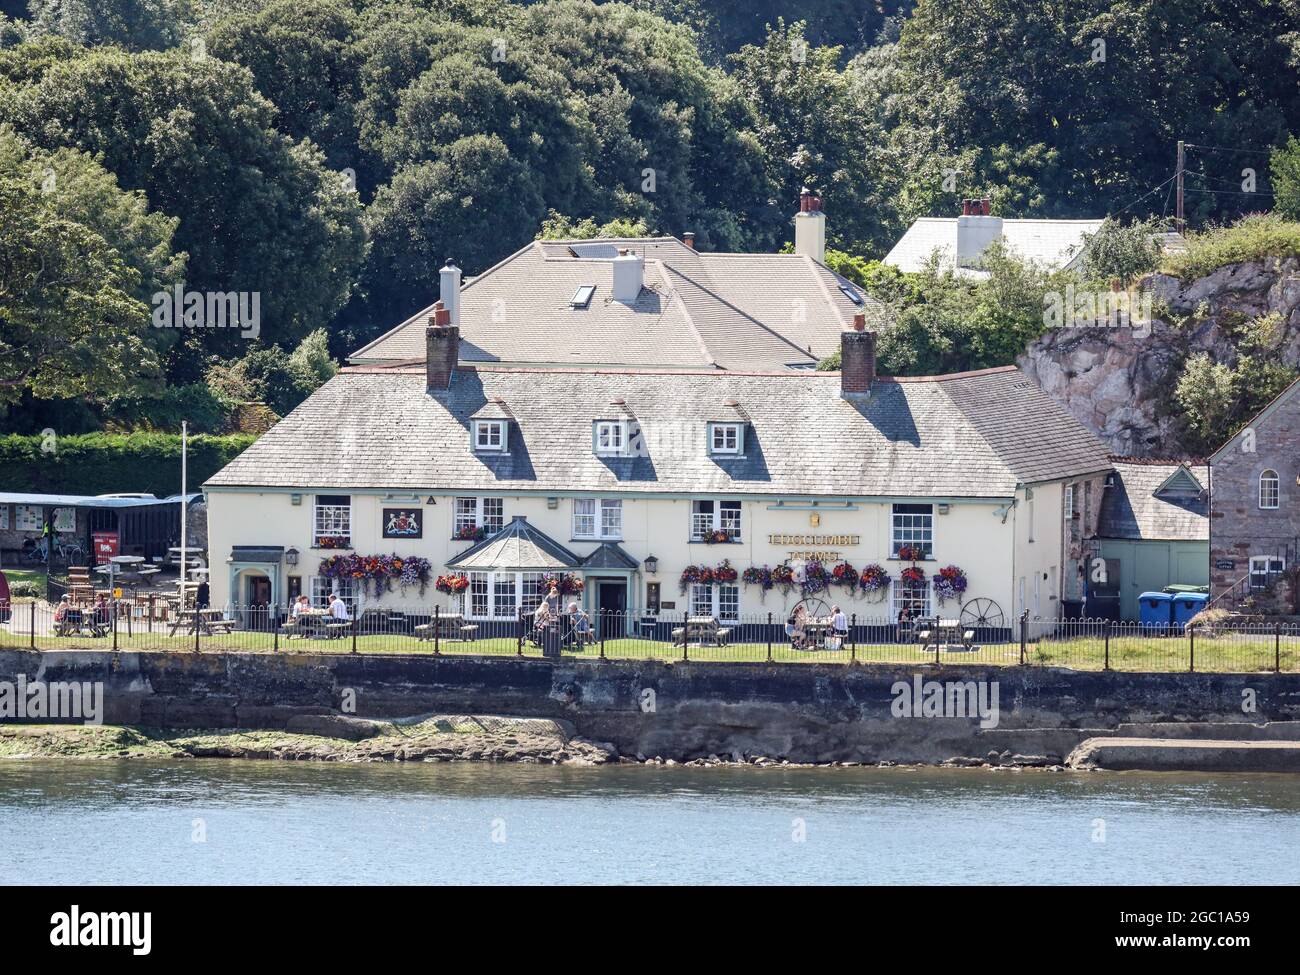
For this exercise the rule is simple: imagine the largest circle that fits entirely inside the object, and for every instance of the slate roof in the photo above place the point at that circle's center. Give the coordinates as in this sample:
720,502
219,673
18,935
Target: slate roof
1055,243
695,311
966,435
1132,509
518,545
610,555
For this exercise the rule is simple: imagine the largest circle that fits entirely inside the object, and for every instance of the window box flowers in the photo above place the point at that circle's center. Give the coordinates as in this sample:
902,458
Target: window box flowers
913,553
718,536
332,541
470,533
949,583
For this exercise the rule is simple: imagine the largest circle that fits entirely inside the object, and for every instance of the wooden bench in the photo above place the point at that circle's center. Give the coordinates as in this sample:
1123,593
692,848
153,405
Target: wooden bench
702,630
449,628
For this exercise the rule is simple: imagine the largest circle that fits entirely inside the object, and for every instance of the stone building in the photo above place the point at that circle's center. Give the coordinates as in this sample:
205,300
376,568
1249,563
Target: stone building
1255,506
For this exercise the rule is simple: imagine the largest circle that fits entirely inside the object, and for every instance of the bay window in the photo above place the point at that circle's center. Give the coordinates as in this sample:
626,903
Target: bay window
710,517
502,595
598,518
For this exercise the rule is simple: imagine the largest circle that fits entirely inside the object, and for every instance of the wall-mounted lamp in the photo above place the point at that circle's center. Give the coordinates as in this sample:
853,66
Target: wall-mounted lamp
295,499
943,509
291,556
552,503
651,564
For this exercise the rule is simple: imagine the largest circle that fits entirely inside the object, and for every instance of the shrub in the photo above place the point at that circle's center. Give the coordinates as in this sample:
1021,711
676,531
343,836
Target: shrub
1251,238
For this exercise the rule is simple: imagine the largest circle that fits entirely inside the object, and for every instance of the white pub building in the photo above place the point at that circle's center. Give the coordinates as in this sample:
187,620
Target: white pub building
665,489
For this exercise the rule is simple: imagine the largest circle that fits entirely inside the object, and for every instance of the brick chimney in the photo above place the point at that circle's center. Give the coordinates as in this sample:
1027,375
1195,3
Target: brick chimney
442,348
810,227
688,238
857,359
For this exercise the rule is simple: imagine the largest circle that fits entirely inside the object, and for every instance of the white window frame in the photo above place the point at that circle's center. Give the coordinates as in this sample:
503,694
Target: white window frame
897,598
472,512
721,602
1270,479
727,439
501,595
603,515
320,587
906,532
1271,567
609,438
491,436
28,517
331,520
729,518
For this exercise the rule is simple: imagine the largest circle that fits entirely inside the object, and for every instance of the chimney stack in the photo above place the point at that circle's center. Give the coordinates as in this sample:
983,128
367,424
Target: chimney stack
810,227
976,229
449,290
442,348
688,238
857,359
629,274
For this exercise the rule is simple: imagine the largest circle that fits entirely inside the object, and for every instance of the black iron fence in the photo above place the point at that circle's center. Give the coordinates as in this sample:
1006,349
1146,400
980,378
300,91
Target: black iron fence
1082,644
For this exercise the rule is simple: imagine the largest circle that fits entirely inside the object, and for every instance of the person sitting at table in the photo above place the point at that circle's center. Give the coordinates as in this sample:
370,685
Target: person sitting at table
61,611
338,608
904,625
799,627
300,605
580,623
103,613
553,601
839,624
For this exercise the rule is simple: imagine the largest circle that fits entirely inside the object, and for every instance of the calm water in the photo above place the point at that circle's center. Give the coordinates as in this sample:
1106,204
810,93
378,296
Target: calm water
266,822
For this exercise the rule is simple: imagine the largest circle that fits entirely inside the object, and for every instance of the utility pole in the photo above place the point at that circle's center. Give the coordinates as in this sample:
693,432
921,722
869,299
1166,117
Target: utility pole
185,561
1181,223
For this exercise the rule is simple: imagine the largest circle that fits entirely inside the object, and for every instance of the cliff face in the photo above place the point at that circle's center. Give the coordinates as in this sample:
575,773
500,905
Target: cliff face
1119,381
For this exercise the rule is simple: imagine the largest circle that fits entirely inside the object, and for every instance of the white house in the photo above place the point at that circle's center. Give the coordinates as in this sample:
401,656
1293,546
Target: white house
625,477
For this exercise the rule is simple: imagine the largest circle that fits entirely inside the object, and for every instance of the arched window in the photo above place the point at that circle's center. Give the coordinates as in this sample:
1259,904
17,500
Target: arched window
1268,489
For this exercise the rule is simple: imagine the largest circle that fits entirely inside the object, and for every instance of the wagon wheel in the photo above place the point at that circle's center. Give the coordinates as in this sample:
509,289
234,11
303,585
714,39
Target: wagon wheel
982,613
814,607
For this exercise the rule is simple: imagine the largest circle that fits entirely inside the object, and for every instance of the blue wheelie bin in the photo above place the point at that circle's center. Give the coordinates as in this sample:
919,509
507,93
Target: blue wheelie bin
1187,605
1155,611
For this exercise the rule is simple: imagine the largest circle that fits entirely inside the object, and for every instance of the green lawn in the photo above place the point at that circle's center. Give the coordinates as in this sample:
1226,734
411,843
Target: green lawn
1228,653
16,576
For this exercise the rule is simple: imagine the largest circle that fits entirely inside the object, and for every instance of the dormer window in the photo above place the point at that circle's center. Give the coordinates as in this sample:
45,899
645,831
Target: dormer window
490,436
727,439
610,438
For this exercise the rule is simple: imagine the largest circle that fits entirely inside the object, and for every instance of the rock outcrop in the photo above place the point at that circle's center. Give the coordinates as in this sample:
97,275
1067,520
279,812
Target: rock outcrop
1118,381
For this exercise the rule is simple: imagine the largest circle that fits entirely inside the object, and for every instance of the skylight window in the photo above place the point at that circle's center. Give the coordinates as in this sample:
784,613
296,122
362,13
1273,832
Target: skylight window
582,297
851,293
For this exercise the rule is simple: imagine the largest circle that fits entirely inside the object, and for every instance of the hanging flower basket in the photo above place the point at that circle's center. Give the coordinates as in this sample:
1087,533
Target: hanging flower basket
843,574
452,585
913,574
724,573
783,577
949,583
567,584
757,576
378,572
874,581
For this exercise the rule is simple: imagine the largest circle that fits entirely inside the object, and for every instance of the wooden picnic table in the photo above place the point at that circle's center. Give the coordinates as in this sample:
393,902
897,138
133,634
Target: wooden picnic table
450,626
701,630
207,621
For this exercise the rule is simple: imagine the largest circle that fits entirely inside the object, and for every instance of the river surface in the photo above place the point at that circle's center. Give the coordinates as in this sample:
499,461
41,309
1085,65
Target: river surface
239,822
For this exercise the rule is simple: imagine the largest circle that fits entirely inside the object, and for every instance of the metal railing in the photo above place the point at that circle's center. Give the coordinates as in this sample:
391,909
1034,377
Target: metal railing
758,638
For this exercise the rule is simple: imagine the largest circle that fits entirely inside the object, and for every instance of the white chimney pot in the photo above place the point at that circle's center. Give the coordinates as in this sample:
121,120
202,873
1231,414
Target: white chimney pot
449,290
629,275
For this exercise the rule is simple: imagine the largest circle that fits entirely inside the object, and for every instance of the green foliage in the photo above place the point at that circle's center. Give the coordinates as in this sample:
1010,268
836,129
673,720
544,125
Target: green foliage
1284,167
1217,398
101,463
203,407
1122,253
559,227
70,321
1250,239
133,24
268,374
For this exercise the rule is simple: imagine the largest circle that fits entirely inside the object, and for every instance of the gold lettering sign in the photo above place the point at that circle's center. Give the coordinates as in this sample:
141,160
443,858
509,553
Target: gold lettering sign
813,539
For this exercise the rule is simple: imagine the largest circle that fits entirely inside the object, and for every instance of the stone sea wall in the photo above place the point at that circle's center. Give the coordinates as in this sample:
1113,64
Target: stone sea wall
682,711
